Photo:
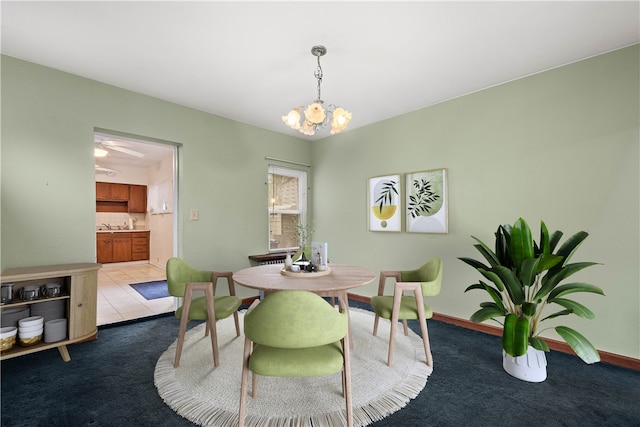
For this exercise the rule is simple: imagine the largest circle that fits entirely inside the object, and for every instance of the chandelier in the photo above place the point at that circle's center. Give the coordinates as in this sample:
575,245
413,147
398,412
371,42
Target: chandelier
314,114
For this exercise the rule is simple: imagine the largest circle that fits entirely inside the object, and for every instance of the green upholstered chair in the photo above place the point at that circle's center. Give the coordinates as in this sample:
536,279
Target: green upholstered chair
425,281
183,280
295,334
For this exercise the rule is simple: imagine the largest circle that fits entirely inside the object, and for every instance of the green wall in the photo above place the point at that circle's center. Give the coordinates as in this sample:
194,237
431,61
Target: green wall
48,192
560,146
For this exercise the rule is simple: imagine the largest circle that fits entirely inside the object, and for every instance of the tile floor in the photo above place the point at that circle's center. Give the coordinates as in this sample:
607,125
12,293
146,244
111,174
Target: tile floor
117,301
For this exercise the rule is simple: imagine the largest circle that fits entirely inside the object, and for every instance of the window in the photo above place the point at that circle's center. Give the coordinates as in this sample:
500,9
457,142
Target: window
287,206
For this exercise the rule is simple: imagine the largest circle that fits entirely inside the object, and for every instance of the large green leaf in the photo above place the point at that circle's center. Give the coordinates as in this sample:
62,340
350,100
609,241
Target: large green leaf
538,343
474,263
582,347
554,239
550,280
556,314
515,335
503,237
486,252
495,296
486,313
494,278
545,244
529,271
548,261
574,306
568,248
529,308
511,283
474,286
521,243
568,288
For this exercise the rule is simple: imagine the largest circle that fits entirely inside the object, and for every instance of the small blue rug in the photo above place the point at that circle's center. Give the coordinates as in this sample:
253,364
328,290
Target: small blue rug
152,290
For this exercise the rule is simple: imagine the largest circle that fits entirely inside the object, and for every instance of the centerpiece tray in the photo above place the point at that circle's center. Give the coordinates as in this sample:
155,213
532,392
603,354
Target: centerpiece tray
305,274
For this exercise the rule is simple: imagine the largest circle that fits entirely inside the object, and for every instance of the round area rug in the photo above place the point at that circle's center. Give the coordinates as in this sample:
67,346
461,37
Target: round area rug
210,396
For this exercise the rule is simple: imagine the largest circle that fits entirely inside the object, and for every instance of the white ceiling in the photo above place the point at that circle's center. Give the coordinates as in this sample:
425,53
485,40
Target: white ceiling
251,61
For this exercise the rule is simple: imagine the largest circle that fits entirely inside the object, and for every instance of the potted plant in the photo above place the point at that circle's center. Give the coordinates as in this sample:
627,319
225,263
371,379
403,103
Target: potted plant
525,278
303,234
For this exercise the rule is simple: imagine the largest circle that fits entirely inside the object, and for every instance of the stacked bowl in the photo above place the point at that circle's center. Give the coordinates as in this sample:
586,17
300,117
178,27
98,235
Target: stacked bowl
8,337
11,316
30,330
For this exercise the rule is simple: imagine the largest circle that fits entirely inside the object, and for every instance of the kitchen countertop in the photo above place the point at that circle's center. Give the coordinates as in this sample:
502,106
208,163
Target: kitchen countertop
135,230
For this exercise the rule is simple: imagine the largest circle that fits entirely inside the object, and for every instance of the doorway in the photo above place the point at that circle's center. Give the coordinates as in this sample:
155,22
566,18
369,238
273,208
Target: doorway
137,162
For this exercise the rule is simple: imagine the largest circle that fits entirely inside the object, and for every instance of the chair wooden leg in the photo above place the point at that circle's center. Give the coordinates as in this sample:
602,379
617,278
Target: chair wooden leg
346,354
406,327
395,313
254,385
343,301
184,319
427,345
244,383
375,325
237,321
423,329
211,322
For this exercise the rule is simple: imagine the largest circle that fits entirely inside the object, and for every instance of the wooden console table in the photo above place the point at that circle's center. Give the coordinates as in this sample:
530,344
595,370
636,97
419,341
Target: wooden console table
79,290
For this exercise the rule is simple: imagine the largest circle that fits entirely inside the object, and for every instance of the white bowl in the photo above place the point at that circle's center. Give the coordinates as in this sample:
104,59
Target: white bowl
28,329
55,330
31,334
31,321
9,331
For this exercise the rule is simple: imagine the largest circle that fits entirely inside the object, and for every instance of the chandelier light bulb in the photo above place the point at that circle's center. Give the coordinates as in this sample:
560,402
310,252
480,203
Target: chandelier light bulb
341,119
315,113
292,119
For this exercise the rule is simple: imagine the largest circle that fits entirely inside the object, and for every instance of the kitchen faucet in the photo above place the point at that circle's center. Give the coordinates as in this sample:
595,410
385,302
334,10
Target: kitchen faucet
107,225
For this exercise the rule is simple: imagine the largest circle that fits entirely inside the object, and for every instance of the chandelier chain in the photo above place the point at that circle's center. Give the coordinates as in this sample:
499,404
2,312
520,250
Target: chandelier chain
318,75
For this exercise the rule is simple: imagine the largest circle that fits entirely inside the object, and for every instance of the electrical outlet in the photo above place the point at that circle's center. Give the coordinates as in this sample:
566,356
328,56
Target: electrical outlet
194,215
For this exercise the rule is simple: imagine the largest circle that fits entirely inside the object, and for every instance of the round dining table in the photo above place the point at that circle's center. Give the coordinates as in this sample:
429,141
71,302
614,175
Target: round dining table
339,278
335,282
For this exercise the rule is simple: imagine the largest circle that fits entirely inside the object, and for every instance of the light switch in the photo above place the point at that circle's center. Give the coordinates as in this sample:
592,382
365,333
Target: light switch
194,215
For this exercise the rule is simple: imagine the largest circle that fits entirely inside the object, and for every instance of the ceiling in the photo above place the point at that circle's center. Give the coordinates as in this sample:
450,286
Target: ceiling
251,61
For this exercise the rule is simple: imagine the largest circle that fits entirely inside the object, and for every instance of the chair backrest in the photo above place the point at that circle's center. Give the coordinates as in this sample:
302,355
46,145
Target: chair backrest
294,319
179,273
429,274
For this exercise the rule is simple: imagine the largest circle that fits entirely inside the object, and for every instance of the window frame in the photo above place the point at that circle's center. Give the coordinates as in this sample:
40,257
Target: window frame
302,176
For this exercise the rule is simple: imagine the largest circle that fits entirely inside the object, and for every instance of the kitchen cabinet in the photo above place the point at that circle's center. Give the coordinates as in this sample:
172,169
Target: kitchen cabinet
137,198
118,246
79,290
121,247
139,246
113,197
109,191
104,247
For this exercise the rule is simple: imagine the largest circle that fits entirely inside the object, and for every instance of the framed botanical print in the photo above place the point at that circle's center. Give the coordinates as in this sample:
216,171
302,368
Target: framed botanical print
426,202
384,202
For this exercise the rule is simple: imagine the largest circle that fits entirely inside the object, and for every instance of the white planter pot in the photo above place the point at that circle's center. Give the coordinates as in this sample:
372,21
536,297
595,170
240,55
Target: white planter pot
531,366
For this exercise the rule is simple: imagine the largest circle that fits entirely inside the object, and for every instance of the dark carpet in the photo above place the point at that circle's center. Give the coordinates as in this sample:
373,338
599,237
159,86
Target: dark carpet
152,290
109,382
